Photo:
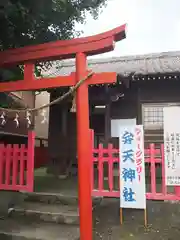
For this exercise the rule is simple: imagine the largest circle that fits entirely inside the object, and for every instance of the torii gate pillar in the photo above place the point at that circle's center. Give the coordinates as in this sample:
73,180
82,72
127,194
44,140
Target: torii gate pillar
78,48
83,148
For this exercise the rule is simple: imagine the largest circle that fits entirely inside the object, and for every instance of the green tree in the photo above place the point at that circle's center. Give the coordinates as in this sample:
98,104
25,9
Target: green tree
30,22
27,22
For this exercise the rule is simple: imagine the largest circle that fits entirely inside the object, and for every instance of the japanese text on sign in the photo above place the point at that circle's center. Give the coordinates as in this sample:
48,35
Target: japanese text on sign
132,173
172,145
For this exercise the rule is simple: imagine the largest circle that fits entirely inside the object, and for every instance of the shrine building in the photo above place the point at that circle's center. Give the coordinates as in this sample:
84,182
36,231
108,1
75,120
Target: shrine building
145,84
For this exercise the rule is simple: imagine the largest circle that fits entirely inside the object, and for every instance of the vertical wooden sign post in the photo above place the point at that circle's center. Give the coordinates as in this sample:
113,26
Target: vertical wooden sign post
79,49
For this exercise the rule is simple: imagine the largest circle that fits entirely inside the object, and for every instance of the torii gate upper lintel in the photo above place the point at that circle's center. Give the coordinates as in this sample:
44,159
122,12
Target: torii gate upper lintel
79,48
65,49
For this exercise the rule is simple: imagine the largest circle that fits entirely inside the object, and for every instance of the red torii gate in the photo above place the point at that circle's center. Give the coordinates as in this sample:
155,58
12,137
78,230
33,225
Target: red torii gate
78,48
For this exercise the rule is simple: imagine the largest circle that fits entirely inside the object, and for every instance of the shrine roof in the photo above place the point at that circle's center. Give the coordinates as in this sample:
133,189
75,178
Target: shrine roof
149,64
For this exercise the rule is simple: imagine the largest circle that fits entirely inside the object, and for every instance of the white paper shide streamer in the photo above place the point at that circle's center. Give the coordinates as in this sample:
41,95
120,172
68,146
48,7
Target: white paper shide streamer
16,120
28,115
3,120
44,115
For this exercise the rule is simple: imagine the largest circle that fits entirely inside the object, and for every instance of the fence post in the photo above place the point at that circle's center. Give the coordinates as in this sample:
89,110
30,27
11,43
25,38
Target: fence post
177,191
153,169
110,166
92,158
164,187
30,161
2,148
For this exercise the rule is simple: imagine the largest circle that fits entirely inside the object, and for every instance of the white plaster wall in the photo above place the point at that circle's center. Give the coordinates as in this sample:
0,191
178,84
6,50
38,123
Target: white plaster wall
42,128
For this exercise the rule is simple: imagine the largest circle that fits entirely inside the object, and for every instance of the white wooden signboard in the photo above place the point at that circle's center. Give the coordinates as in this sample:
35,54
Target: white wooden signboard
132,169
117,123
172,145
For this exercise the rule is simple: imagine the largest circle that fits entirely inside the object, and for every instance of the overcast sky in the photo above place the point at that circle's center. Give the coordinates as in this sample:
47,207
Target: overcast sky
152,25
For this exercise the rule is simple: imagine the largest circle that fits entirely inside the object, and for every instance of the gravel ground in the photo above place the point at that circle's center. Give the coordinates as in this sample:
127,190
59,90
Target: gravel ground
163,222
163,218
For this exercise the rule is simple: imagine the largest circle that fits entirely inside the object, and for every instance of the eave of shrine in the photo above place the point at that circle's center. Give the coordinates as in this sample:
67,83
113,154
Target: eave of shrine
140,67
11,100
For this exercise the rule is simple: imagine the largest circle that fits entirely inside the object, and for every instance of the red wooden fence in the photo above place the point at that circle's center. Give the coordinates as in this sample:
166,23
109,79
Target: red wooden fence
154,160
17,166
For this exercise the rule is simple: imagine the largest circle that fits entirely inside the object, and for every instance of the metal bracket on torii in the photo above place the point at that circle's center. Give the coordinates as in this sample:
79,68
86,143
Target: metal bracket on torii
78,48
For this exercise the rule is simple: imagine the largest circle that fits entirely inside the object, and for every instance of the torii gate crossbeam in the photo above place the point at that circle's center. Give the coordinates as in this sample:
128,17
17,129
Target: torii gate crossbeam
79,48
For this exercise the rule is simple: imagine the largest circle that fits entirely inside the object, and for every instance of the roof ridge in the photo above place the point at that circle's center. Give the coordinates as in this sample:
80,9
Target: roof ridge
104,60
153,63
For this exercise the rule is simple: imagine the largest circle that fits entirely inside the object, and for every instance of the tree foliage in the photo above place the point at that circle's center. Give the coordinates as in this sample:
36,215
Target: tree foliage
27,22
30,22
